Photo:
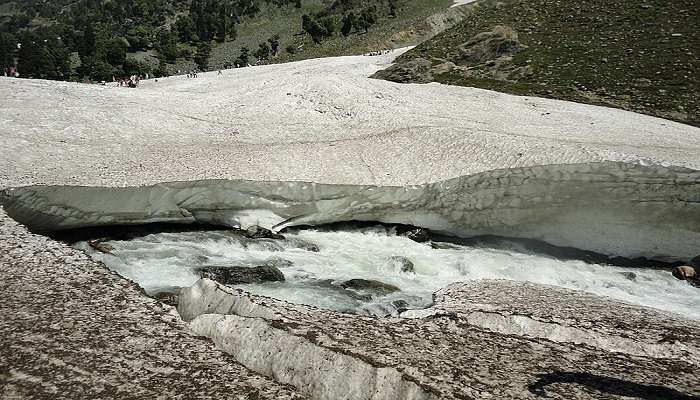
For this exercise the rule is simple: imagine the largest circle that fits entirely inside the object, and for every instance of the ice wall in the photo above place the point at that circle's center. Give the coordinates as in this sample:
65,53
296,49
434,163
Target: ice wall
609,207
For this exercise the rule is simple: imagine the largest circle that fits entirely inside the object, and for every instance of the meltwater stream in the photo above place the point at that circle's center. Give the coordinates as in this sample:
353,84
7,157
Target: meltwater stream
315,262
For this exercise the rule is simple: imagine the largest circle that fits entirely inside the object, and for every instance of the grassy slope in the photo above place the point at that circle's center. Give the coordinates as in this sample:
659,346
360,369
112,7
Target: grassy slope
619,53
409,28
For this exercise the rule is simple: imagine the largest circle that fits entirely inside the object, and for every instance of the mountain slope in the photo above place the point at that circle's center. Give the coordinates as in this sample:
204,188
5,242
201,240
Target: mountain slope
639,56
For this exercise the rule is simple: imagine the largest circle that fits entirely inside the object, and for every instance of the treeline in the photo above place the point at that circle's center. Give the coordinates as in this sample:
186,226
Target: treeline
351,16
47,39
97,39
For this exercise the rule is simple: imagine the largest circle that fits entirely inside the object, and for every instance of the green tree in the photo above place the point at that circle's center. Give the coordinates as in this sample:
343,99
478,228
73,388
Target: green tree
243,58
162,69
349,20
317,29
132,66
42,57
8,47
367,18
392,8
263,52
184,25
167,45
274,44
139,37
115,51
96,69
201,58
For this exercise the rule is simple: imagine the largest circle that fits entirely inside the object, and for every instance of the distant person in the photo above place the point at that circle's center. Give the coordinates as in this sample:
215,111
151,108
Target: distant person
687,273
219,73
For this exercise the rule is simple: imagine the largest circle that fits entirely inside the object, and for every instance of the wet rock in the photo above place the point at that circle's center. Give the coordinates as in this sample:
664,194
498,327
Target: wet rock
684,272
629,275
695,262
402,264
235,275
258,232
263,245
369,285
687,273
303,244
101,246
400,305
278,262
168,297
444,246
419,235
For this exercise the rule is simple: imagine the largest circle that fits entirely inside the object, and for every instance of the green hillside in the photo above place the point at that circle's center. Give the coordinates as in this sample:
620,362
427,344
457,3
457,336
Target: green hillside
99,39
640,56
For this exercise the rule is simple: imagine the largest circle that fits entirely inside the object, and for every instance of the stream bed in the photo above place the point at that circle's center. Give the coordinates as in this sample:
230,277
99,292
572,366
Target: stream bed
316,264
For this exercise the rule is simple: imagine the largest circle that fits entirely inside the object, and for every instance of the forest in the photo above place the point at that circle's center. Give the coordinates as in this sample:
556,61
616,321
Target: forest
96,40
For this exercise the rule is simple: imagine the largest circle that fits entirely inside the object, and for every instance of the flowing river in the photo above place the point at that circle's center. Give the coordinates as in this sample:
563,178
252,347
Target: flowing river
316,261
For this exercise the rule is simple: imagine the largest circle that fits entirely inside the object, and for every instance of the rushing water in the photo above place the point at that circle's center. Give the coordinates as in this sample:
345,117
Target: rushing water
168,260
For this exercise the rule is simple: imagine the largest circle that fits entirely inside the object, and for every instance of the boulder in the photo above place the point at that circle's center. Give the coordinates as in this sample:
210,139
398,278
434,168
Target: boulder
278,262
629,275
231,275
258,232
169,298
695,262
419,235
402,264
487,46
303,244
371,286
417,70
400,305
100,246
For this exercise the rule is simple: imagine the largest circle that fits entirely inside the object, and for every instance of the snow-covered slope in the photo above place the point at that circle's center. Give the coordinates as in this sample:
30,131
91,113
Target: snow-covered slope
570,174
318,120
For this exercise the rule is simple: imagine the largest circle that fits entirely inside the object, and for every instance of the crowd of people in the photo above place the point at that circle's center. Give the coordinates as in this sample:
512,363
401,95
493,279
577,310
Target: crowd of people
11,72
131,82
379,52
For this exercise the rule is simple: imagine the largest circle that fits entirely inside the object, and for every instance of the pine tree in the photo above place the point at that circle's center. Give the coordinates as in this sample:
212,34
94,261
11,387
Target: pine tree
201,58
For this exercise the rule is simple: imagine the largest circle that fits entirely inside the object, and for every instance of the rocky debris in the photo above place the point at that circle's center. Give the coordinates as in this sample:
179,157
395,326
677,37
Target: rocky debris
401,264
167,297
258,232
419,235
72,329
417,70
482,361
101,246
369,285
233,275
501,41
487,55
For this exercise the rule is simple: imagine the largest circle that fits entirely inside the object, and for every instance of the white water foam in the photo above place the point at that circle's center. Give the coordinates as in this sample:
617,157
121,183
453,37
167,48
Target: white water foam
168,259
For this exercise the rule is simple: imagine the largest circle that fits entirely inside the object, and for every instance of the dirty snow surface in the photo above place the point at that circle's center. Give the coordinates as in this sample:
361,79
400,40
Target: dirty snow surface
318,120
458,3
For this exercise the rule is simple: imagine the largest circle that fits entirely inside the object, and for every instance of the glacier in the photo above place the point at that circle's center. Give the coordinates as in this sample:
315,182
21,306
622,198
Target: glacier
614,208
